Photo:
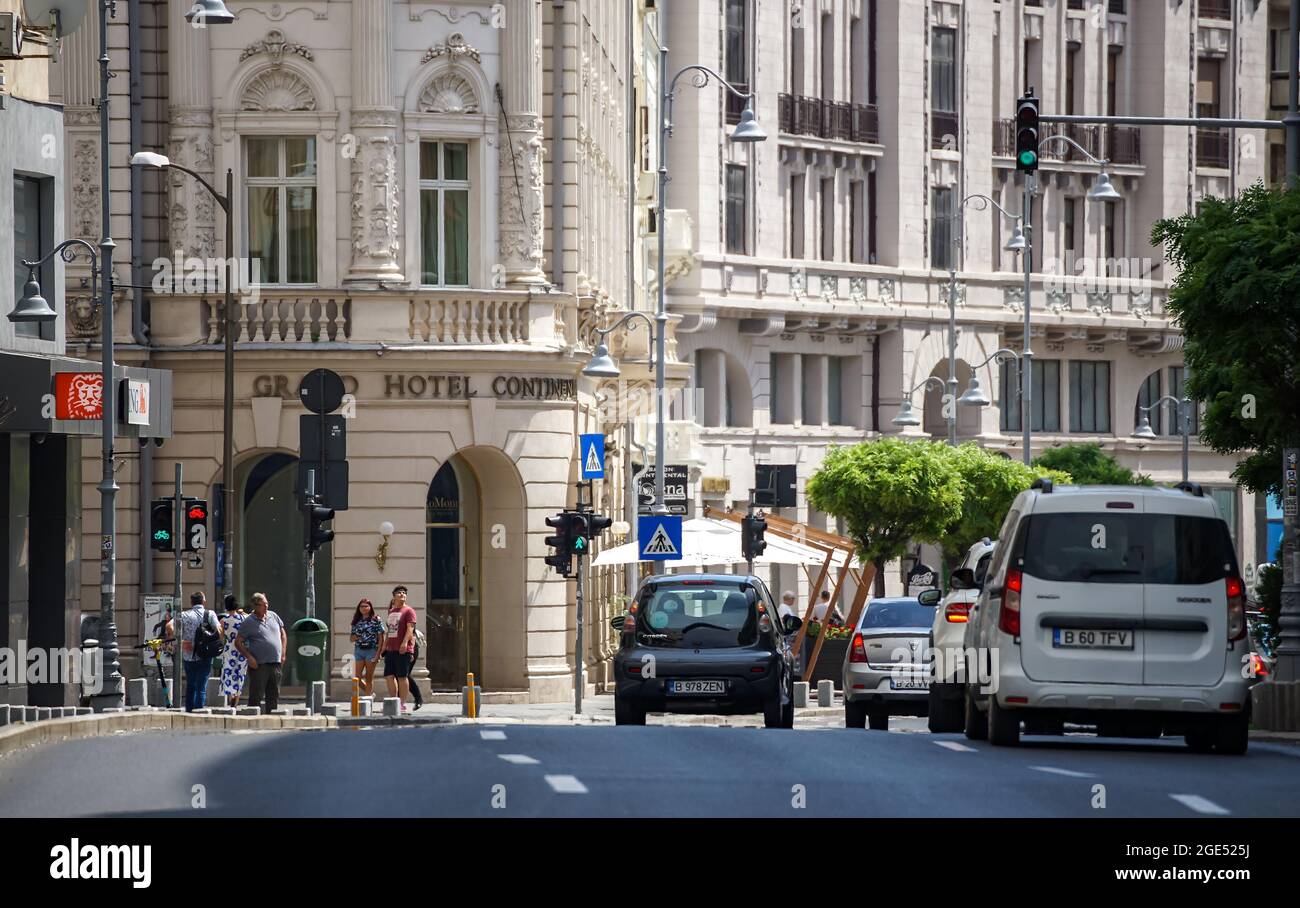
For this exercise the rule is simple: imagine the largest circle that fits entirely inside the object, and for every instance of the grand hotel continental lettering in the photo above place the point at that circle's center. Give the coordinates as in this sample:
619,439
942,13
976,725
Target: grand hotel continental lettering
505,387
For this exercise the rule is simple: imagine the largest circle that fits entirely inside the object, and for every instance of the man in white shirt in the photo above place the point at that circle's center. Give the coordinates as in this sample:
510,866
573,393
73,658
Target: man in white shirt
824,603
787,605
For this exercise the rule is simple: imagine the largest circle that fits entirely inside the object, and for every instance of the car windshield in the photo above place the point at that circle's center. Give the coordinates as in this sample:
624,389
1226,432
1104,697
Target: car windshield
698,615
1126,548
897,613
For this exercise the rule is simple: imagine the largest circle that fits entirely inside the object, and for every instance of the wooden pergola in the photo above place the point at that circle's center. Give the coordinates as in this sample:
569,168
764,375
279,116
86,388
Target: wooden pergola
828,544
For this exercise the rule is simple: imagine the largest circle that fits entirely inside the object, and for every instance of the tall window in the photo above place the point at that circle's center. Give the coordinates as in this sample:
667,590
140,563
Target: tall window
857,222
1046,396
943,201
444,214
1278,78
737,208
1071,64
1148,394
796,60
737,57
33,237
281,204
828,57
944,126
1176,390
1112,81
1069,223
834,390
828,218
798,202
1090,396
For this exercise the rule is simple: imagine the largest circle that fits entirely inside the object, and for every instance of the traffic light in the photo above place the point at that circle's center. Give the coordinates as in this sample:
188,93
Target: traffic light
162,524
597,524
317,516
577,533
752,543
560,559
196,525
1027,133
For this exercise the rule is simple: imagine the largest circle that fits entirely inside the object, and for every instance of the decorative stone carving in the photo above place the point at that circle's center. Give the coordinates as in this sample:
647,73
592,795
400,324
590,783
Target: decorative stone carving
85,189
449,93
1096,348
191,212
858,289
374,206
762,281
83,317
830,285
1013,298
1055,347
887,290
798,283
945,288
454,47
275,47
278,90
1140,304
520,192
728,278
1099,302
1058,301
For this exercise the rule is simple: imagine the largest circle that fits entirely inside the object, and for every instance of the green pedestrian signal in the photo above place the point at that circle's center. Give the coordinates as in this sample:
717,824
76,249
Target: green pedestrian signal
580,544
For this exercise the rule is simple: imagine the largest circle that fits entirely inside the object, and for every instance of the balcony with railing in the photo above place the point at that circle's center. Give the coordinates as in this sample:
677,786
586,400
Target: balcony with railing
1117,144
1117,8
1213,148
800,115
1215,9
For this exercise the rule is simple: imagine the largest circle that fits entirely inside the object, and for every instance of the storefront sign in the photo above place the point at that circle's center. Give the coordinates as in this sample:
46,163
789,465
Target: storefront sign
136,411
79,395
921,577
676,480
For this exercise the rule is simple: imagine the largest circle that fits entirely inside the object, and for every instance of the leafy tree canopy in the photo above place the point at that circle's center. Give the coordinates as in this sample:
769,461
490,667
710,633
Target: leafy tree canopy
1237,301
1089,465
990,483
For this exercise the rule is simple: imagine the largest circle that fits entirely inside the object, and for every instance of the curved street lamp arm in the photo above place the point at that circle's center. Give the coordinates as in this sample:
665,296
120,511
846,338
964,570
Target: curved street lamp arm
1001,356
984,202
701,79
1076,146
63,250
1167,399
603,333
933,378
221,199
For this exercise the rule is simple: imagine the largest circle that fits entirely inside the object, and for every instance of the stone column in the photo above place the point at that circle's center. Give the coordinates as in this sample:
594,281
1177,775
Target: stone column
191,210
375,213
520,170
80,63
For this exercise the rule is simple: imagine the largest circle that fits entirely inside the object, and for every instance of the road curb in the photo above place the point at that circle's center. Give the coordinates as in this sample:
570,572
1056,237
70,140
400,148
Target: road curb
1275,737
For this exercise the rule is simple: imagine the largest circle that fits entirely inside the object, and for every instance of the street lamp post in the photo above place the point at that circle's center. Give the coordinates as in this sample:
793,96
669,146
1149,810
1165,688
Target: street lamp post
1184,405
907,415
976,396
229,327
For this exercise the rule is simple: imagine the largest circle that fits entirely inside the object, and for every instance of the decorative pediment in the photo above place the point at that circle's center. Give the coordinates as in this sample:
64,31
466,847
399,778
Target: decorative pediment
275,46
448,93
454,47
278,90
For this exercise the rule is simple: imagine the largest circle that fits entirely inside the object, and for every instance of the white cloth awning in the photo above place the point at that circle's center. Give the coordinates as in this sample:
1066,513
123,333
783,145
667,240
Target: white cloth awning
708,542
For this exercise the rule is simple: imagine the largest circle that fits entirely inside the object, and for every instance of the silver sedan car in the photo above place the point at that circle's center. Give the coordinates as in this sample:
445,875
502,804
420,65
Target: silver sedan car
887,666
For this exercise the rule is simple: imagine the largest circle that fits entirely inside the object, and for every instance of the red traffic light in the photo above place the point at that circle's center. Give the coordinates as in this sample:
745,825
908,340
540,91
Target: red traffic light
198,513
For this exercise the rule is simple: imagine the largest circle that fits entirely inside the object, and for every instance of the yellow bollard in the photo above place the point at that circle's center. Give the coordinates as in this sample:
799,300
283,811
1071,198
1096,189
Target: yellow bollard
356,696
471,696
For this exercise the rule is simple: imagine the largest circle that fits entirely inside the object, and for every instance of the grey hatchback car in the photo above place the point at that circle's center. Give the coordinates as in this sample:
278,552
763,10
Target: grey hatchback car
887,666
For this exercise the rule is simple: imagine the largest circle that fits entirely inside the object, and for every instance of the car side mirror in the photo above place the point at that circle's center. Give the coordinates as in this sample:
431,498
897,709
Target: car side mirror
617,623
792,623
929,597
962,579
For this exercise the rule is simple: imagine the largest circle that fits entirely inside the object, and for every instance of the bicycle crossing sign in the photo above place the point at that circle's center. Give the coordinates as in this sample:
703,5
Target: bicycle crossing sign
591,449
660,537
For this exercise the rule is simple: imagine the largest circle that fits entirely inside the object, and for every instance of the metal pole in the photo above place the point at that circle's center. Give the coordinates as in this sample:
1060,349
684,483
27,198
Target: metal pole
1027,353
950,403
1292,119
178,527
228,423
1185,406
577,648
661,311
113,690
311,552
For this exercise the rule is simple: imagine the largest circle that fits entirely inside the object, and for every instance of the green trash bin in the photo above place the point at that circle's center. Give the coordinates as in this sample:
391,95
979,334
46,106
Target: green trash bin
308,641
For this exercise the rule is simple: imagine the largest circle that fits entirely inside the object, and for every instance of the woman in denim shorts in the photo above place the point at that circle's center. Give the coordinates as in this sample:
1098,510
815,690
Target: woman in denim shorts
368,634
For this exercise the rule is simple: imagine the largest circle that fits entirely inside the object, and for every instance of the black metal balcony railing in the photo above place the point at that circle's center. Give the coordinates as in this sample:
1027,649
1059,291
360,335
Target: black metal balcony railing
1074,4
1117,144
1124,144
944,130
1117,7
804,116
1214,9
1213,147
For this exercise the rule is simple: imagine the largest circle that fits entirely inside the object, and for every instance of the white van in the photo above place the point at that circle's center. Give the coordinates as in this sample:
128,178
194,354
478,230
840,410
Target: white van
947,635
1115,606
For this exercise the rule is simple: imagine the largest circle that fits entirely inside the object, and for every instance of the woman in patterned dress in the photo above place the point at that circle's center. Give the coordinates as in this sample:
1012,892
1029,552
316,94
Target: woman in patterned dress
234,667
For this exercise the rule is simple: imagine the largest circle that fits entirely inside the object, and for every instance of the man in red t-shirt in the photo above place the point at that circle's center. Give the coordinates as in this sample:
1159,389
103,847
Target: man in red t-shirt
400,645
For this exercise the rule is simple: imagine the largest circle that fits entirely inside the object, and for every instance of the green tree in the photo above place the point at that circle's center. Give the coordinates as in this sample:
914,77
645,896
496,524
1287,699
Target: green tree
1090,466
890,493
1268,592
990,483
1235,299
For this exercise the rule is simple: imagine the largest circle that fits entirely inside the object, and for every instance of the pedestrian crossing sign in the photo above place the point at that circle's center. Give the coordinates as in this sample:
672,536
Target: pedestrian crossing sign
591,450
660,537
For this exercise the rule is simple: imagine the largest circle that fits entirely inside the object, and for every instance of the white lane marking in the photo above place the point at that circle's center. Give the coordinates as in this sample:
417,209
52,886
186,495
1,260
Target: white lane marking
518,759
1201,805
492,735
1064,772
566,785
953,745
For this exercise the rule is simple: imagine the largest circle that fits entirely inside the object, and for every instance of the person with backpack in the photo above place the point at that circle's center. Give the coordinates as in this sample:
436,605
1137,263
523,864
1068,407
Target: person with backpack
201,641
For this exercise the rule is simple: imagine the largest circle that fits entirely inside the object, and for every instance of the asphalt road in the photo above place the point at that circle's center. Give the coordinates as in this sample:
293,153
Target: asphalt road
664,770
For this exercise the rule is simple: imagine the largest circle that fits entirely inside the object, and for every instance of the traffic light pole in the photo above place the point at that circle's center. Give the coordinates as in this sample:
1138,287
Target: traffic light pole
1027,353
749,512
178,529
578,659
311,552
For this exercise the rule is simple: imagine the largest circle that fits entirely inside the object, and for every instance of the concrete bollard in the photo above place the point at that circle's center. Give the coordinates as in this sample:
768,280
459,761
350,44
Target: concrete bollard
301,711
137,692
31,713
392,707
249,711
315,697
213,691
801,695
826,692
365,706
471,697
223,710
329,709
282,711
42,713
84,711
4,714
219,700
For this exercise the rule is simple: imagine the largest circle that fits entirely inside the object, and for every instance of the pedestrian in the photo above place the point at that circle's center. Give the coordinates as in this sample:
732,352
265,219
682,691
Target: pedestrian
196,668
823,605
263,642
399,646
234,667
367,642
787,605
416,698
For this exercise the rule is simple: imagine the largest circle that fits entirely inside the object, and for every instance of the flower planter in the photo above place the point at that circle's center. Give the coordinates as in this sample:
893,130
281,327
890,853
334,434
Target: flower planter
830,660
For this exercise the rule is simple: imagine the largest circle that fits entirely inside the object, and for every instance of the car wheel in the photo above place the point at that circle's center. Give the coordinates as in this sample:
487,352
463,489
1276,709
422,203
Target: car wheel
787,709
977,724
855,715
1200,740
773,713
1004,725
626,713
945,713
1233,735
878,721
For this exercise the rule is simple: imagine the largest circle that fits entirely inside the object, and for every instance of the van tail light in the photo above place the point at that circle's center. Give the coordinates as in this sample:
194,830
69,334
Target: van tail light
1257,666
1009,616
858,652
957,612
1236,608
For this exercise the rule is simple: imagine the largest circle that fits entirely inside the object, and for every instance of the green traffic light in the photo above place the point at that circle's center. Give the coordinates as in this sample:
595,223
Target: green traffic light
162,534
1028,158
579,543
